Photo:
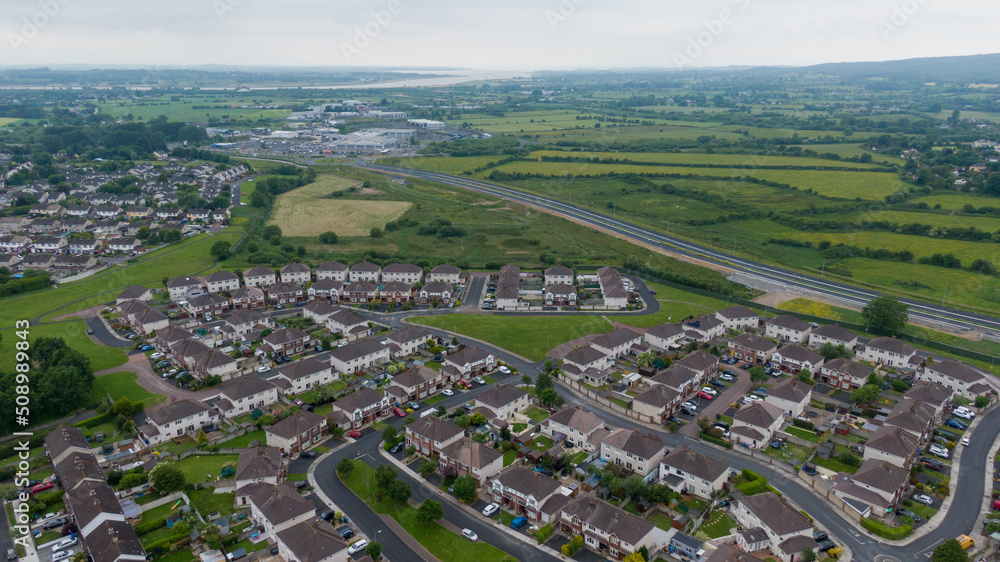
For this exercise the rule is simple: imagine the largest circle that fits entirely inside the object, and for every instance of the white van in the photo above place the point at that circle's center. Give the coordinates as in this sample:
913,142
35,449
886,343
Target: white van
964,413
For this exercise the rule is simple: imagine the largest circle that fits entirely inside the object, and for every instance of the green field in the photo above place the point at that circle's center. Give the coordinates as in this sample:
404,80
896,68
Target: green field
955,201
150,108
196,468
245,439
122,385
682,158
526,338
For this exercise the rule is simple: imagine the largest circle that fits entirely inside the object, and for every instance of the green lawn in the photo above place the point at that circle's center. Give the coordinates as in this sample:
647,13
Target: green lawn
182,555
175,448
803,434
206,502
245,439
155,535
577,458
160,512
541,443
122,385
434,399
519,427
531,338
47,537
509,457
537,415
835,465
716,525
661,521
442,543
196,467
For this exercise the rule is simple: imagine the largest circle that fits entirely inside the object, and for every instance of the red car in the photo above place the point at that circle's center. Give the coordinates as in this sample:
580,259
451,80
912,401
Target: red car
399,413
41,487
355,434
704,395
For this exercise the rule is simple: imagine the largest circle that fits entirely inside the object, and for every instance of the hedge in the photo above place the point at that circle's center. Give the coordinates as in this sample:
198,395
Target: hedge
92,422
143,528
51,497
720,442
885,531
544,533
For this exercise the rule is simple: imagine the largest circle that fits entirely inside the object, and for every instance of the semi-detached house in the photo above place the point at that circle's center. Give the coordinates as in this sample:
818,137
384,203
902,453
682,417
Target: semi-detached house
665,337
608,530
279,507
788,329
222,282
689,471
505,400
558,275
795,358
755,423
407,341
844,373
878,483
287,342
402,273
523,491
243,395
468,457
890,352
738,317
259,276
297,432
247,297
632,450
332,270
892,444
445,273
471,361
306,374
574,424
183,288
587,364
360,407
297,273
209,304
418,382
365,271
791,395
176,419
834,335
752,348
430,434
962,378
616,343
358,356
780,522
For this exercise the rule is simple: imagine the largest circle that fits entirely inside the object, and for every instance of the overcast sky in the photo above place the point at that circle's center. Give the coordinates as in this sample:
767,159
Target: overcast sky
515,35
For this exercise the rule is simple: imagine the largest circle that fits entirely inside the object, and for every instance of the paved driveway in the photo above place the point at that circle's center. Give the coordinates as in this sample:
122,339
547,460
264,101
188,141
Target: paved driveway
104,335
720,404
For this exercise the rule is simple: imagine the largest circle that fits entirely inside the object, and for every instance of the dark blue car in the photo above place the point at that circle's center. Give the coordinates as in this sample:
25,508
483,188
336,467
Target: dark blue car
955,423
518,522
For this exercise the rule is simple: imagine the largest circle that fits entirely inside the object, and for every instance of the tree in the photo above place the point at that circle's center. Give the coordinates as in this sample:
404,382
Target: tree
644,359
865,394
376,232
270,231
201,439
166,478
328,237
385,475
374,549
429,512
399,491
266,419
170,236
78,557
466,489
808,555
886,315
805,376
549,397
477,419
634,486
831,352
142,233
982,401
220,250
345,467
133,479
123,407
757,374
389,434
949,551
634,557
527,380
543,381
427,468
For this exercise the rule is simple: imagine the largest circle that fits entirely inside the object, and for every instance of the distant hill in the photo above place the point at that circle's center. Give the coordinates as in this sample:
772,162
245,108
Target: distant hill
972,68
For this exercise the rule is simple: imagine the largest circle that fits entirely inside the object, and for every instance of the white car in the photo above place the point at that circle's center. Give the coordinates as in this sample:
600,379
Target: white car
61,555
965,441
263,369
752,398
448,392
491,509
469,534
480,380
503,369
690,405
357,547
710,391
170,373
156,355
64,543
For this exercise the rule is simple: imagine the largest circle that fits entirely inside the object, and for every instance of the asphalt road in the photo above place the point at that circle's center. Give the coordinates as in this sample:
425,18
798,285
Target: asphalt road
918,309
105,335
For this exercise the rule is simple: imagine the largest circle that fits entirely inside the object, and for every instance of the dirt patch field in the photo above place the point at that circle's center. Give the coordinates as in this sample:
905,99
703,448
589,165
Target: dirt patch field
773,299
306,212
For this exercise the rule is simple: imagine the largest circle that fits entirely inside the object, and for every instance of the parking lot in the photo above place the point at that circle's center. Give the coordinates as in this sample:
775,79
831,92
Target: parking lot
719,404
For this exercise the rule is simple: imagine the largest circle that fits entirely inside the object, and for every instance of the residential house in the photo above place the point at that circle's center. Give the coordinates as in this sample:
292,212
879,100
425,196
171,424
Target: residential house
49,245
213,363
135,292
681,379
360,292
834,335
892,444
702,363
306,374
199,215
78,211
315,541
844,373
65,440
75,226
365,271
664,337
297,273
141,317
418,382
285,294
878,483
430,434
752,348
73,264
258,465
124,245
240,396
92,504
114,541
523,491
684,544
11,262
632,450
436,291
246,321
574,424
222,281
208,305
13,224
755,423
87,246
259,276
333,271
508,291
791,395
138,212
466,457
395,292
107,212
505,400
247,298
788,328
166,339
407,341
658,402
738,317
280,507
587,364
319,311
779,521
914,416
287,342
616,343
558,275
795,358
560,295
359,356
608,530
612,288
361,407
704,328
402,273
183,288
689,471
888,351
16,244
471,361
37,261
963,379
177,419
445,273
298,432
328,290
933,394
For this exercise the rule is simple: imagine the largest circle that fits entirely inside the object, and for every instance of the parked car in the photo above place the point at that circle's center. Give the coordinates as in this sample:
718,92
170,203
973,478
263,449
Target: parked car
746,366
357,547
146,347
717,383
518,522
491,510
41,487
156,355
448,392
327,514
687,411
468,406
399,412
263,369
965,441
923,498
480,380
61,555
938,451
397,448
709,390
704,395
413,405
504,369
824,546
907,513
721,425
956,424
470,534
751,398
64,543
54,524
964,413
307,455
354,434
931,463
345,532
820,535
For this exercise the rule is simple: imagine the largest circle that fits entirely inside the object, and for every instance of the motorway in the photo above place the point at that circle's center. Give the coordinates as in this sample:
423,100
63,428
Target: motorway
968,489
641,235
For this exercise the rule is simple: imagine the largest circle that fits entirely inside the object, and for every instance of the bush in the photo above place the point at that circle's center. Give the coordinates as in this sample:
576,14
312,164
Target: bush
143,528
721,442
571,548
885,531
544,533
804,424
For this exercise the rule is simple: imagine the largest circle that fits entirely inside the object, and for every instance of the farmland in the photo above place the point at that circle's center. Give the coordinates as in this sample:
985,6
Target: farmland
715,160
